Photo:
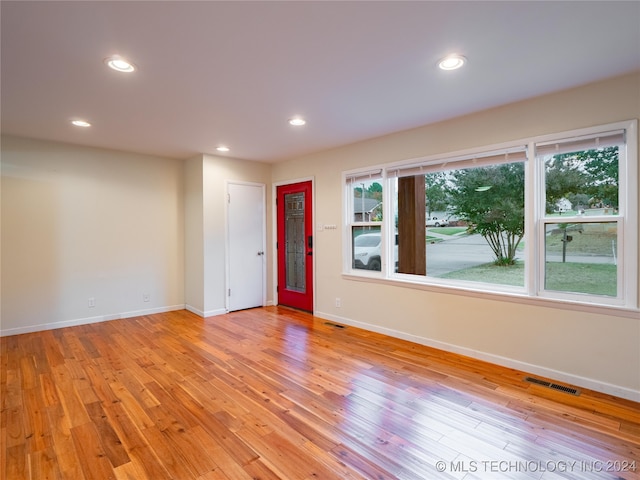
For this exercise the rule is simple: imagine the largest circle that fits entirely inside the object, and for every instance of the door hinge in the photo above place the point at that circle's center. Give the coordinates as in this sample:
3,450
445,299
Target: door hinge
229,292
228,198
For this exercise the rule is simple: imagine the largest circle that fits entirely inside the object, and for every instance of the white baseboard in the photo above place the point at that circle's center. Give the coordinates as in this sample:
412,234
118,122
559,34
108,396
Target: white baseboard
569,378
208,313
87,320
565,377
151,311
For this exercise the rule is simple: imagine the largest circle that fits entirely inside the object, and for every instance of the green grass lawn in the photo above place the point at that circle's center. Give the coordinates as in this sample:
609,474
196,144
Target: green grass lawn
490,273
449,230
590,241
590,278
594,278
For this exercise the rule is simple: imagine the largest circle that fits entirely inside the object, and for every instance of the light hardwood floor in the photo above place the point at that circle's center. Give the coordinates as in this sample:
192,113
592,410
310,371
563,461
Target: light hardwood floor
274,393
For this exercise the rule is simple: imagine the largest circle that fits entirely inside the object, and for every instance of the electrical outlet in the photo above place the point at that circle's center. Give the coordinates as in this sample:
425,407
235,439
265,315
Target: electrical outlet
92,302
338,302
146,297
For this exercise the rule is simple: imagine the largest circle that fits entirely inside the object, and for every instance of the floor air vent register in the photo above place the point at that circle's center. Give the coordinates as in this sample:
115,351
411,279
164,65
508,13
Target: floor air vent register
553,386
334,325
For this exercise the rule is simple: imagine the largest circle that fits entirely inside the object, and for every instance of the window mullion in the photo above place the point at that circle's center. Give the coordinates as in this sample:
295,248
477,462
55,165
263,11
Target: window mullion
628,178
623,290
583,219
388,224
532,212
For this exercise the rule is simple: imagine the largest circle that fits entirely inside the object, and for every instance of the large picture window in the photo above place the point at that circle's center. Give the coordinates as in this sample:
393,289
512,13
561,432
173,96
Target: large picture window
550,217
473,221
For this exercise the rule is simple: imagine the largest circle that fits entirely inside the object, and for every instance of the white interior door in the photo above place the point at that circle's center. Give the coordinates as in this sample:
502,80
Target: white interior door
246,245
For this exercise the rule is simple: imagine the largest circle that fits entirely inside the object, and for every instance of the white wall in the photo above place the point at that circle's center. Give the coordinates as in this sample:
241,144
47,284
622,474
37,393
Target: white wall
194,236
206,177
80,223
595,350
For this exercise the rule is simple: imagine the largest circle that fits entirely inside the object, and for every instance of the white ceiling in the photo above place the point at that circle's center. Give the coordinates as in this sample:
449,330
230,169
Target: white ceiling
232,73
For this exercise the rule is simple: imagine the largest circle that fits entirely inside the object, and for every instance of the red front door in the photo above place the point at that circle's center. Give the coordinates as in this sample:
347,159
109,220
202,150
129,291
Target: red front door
295,246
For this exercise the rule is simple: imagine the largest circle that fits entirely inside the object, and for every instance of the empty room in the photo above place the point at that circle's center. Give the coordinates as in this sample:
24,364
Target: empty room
319,240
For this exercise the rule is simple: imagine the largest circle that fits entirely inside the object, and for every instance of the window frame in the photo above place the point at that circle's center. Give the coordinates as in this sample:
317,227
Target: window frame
533,290
354,178
503,154
626,220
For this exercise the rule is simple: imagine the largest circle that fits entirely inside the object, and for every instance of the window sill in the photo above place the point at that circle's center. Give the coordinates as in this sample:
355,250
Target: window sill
513,297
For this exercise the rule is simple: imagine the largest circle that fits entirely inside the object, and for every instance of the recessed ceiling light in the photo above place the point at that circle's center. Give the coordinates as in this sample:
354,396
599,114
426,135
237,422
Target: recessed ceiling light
80,123
119,64
297,121
452,62
222,148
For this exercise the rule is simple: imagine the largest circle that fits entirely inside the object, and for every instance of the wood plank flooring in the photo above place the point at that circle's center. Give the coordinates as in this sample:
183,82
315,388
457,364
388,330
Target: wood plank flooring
273,393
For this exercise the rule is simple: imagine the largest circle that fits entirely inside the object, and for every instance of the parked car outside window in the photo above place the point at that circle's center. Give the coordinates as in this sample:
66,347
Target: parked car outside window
437,222
366,251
